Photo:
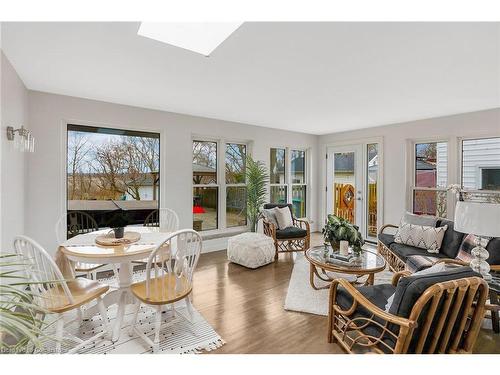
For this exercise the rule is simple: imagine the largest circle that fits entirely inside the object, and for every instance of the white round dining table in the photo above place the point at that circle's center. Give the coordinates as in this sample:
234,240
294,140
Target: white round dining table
84,249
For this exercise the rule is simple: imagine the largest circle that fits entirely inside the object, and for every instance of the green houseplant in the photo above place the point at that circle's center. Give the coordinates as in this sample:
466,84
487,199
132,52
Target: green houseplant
257,179
338,229
22,325
118,222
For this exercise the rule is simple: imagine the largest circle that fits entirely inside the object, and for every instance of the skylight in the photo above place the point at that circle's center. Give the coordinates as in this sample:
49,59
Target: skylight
200,37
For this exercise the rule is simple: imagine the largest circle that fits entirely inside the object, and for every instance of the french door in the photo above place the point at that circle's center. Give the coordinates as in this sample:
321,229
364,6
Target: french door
352,185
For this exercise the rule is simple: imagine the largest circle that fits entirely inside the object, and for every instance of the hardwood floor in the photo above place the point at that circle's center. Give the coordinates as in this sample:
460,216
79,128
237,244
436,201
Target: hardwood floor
246,308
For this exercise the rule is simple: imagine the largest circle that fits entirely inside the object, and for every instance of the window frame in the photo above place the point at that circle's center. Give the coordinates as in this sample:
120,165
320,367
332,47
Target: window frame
460,161
288,183
211,185
221,182
286,171
412,172
304,184
228,185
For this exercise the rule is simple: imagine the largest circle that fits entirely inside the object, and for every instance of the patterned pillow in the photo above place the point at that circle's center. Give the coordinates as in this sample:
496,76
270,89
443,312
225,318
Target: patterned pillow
423,237
469,243
270,215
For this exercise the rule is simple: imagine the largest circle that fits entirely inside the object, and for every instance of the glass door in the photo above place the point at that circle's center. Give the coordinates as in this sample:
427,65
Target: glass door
353,186
345,183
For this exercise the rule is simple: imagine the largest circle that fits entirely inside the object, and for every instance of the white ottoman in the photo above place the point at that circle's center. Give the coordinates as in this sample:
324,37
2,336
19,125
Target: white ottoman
251,250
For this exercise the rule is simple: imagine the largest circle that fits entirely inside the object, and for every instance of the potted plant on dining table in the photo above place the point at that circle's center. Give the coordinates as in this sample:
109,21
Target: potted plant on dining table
118,222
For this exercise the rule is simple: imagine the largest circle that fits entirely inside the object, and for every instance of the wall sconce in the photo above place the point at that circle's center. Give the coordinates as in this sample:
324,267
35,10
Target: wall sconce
25,142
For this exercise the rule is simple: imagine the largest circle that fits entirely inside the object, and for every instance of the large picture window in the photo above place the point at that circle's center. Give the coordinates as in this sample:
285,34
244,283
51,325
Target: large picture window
109,169
429,194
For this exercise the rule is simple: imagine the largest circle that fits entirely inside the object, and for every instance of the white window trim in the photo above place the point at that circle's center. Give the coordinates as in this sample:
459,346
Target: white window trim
222,228
411,183
288,174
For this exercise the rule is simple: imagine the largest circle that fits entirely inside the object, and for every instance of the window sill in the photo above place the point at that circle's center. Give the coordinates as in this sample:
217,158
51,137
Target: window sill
222,233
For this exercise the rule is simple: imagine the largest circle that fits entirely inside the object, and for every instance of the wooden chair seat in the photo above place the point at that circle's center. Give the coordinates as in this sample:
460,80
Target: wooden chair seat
162,290
87,267
82,290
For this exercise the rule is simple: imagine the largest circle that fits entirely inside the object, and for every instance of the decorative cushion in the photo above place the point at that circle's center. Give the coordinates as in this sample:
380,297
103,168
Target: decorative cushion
417,263
283,217
376,294
290,232
410,288
424,237
270,216
425,220
452,239
405,251
251,250
469,243
427,271
386,238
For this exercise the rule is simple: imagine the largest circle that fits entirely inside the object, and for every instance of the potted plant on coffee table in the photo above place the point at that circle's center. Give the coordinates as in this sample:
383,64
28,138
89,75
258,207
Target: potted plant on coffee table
338,229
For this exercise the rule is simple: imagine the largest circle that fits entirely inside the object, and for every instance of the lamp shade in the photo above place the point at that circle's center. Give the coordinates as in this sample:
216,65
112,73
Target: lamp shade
481,219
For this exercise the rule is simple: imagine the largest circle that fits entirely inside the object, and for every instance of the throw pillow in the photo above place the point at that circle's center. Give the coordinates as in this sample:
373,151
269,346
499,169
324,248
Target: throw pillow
434,269
270,215
283,217
421,236
428,221
469,243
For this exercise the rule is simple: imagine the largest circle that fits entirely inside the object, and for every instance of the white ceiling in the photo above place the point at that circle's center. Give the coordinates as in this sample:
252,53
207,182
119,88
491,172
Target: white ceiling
310,77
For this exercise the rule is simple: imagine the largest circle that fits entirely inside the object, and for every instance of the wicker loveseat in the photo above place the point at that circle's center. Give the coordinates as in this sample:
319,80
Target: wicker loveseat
400,256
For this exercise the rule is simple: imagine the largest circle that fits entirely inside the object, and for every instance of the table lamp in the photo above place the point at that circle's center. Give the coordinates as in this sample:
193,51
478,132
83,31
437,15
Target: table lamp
482,220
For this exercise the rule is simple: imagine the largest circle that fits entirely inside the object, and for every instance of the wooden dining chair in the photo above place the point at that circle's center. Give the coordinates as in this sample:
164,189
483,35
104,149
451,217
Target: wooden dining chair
163,286
167,221
57,295
71,224
164,218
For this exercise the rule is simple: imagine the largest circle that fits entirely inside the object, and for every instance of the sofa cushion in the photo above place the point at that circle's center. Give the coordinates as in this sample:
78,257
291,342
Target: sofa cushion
290,232
377,294
424,237
452,239
386,238
410,288
425,220
404,251
415,263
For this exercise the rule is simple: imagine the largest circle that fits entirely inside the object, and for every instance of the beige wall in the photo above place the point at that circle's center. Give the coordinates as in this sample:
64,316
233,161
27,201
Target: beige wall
14,104
48,114
395,137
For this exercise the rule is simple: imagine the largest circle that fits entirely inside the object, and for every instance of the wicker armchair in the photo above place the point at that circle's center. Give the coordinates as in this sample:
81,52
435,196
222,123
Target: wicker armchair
296,238
433,313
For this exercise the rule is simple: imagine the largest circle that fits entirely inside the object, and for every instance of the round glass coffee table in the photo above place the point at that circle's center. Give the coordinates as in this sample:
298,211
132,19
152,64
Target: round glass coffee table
367,265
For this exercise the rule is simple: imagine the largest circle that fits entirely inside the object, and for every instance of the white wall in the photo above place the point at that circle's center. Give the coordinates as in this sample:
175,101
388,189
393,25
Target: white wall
395,137
49,113
14,104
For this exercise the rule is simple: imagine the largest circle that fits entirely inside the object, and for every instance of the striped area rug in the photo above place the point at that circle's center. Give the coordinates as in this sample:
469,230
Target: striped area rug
177,336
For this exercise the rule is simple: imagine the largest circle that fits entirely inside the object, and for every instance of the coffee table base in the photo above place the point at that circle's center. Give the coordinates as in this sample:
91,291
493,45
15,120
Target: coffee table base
313,273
